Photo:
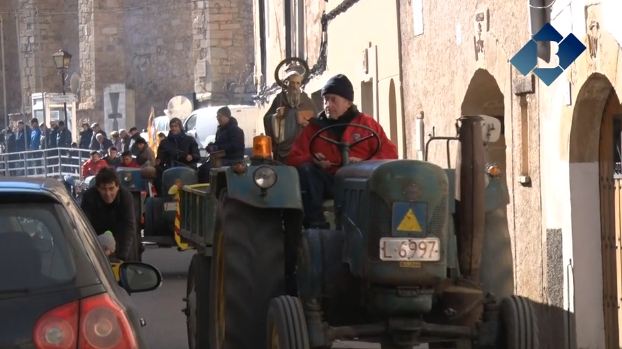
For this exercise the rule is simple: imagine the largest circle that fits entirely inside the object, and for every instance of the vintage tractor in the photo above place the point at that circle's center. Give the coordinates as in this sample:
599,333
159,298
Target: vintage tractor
138,182
403,264
160,210
239,224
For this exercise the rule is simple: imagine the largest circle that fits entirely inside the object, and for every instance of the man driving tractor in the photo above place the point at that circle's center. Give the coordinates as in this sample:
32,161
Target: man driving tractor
317,162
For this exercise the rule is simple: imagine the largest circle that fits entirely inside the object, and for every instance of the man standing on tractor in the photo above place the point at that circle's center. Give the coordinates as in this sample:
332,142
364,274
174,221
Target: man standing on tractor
289,113
177,149
317,166
110,207
229,140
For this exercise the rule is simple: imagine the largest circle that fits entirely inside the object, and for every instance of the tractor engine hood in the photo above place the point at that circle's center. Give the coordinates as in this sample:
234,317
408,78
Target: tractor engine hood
380,203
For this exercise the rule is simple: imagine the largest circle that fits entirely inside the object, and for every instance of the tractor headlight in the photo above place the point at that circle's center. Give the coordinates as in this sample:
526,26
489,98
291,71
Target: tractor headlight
264,177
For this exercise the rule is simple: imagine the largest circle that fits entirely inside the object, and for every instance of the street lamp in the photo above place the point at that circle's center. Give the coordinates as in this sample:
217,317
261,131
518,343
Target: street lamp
61,61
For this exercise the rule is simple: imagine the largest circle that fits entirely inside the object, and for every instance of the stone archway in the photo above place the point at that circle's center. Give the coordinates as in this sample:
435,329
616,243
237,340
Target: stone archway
483,97
596,258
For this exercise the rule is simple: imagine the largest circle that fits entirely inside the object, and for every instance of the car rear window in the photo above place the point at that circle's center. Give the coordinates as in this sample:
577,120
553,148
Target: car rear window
34,252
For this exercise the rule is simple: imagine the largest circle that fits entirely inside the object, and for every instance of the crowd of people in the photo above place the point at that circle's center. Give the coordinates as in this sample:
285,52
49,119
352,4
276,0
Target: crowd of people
18,137
124,149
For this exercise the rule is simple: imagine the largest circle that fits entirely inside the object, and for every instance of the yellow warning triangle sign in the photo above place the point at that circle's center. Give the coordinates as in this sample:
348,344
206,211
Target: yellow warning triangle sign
409,222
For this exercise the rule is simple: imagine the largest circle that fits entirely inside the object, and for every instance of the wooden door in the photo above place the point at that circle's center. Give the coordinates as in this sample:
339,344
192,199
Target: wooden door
611,221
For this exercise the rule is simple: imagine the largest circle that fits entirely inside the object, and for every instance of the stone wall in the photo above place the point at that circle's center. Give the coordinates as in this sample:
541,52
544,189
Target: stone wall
55,27
230,64
158,53
86,29
26,50
12,78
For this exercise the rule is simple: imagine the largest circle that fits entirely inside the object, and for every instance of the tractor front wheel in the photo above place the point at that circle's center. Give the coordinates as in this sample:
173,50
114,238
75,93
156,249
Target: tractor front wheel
519,324
248,270
197,302
287,327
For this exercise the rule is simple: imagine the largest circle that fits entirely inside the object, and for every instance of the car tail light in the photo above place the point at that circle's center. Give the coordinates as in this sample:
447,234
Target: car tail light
57,328
102,324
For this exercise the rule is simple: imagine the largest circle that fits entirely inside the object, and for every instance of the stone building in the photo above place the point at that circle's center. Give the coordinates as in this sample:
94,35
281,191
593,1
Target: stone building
155,48
561,142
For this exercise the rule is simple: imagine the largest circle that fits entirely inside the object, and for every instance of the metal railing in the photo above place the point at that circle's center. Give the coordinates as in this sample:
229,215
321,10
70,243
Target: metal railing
56,162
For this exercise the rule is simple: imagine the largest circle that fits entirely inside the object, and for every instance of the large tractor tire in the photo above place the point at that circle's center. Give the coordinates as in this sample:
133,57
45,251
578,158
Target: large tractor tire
247,272
197,302
519,324
154,221
287,327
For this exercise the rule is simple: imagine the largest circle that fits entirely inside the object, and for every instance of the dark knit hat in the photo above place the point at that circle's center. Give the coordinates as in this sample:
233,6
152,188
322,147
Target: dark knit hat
225,111
339,85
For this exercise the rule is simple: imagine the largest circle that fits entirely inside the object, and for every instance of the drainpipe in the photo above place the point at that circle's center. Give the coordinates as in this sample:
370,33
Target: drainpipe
420,137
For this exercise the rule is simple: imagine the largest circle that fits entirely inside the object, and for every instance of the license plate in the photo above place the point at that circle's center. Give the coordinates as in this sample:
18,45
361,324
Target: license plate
170,206
410,249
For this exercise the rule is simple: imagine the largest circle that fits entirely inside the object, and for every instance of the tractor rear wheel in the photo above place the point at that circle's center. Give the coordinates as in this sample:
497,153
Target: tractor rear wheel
197,302
287,327
248,270
519,324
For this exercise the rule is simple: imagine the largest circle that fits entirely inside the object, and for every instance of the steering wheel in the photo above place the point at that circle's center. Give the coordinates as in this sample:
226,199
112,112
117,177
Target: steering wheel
344,147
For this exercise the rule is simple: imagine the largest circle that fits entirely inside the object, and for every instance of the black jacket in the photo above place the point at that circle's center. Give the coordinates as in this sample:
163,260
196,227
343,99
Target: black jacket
230,138
173,150
64,138
118,217
85,138
52,139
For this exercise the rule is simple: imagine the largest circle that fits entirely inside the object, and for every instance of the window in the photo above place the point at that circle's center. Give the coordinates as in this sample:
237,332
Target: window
191,124
34,252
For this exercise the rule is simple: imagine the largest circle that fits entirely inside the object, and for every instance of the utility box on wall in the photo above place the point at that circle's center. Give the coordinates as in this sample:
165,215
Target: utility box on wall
119,108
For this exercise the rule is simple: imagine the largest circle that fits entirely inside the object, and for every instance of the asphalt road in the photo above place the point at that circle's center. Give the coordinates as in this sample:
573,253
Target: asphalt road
161,308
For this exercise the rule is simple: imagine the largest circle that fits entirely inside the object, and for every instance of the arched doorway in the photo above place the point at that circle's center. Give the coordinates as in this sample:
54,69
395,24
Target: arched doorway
594,151
483,97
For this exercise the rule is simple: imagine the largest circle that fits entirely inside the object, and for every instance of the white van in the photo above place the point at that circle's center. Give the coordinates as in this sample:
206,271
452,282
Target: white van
160,124
202,123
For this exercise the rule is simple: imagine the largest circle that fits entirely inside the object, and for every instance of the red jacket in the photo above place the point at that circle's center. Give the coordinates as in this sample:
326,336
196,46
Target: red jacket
301,153
90,167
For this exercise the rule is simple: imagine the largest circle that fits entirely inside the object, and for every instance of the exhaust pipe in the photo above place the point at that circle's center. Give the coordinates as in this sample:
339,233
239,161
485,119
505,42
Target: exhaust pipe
470,193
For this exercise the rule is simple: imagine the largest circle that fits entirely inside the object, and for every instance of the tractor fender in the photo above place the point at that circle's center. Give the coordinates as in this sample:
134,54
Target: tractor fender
284,194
